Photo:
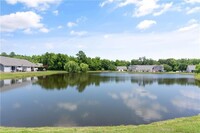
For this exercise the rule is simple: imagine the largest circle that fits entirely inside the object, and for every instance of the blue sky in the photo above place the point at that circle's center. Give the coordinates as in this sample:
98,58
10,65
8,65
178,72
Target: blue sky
112,29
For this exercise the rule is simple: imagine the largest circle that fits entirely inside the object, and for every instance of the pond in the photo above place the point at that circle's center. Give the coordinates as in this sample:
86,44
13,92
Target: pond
98,99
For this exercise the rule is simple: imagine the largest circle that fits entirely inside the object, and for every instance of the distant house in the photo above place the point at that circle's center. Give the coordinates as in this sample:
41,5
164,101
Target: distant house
190,68
8,64
146,68
121,68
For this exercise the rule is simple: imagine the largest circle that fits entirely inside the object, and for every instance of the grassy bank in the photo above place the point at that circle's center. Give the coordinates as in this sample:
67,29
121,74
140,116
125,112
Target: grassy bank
27,74
179,125
197,76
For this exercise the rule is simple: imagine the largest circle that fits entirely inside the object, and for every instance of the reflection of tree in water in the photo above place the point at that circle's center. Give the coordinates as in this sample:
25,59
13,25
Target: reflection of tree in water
82,80
142,81
180,81
62,81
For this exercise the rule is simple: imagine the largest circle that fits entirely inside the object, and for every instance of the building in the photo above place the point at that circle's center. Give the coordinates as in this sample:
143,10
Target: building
121,68
190,68
146,68
8,64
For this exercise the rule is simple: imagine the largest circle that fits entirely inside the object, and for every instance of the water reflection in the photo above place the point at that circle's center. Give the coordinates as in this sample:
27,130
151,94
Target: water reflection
188,99
81,81
9,84
142,103
105,99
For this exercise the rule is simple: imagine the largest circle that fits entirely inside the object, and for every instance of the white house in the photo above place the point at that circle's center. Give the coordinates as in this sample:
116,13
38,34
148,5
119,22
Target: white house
121,68
190,68
8,64
146,68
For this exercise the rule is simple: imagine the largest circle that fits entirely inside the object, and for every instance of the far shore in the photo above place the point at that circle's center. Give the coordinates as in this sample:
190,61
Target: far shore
15,75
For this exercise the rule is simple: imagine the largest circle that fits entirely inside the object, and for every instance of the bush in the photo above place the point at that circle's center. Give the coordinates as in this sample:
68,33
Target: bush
72,67
84,67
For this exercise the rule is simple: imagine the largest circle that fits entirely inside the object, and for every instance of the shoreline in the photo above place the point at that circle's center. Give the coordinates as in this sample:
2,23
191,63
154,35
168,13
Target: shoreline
16,75
184,124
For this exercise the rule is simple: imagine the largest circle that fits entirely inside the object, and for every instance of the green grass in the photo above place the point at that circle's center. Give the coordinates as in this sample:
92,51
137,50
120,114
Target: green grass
179,125
27,74
197,76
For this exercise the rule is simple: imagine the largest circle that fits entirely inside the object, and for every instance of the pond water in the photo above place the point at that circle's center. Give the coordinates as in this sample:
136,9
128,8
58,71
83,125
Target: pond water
98,99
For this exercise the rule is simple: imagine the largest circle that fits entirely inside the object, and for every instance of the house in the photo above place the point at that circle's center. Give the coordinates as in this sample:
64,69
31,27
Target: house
121,68
146,68
190,68
8,64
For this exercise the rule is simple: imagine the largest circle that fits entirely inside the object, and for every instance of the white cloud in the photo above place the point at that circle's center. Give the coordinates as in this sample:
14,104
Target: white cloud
105,3
170,44
55,12
37,4
192,1
21,21
192,24
191,94
189,27
68,106
81,19
78,33
71,24
60,27
78,20
127,2
28,31
143,103
193,10
145,7
113,96
142,7
45,30
165,8
146,24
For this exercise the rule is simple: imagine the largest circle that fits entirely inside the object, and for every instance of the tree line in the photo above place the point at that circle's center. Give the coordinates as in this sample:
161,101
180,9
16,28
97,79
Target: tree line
81,62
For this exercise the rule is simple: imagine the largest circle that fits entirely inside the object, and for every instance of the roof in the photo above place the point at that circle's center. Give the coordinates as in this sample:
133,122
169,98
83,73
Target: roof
7,61
143,67
121,67
191,67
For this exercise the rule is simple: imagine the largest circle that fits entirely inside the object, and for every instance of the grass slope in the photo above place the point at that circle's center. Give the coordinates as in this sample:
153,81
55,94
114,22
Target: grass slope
27,74
179,125
197,76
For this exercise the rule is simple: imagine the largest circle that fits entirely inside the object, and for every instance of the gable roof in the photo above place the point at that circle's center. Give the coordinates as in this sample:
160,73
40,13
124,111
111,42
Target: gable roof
7,61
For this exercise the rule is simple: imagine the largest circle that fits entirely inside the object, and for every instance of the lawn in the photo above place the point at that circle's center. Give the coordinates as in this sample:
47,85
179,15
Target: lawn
179,125
13,75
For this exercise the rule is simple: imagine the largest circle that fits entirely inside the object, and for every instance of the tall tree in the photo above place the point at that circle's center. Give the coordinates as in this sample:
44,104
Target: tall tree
81,56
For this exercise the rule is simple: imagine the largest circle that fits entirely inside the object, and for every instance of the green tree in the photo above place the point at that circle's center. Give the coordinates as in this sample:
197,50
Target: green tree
81,56
4,54
72,67
107,65
84,67
94,63
12,54
197,68
182,66
167,68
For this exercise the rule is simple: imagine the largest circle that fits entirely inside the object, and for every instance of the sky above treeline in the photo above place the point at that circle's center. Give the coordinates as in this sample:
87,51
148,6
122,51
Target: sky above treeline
111,29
